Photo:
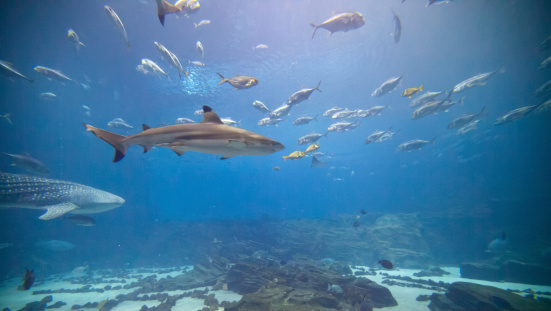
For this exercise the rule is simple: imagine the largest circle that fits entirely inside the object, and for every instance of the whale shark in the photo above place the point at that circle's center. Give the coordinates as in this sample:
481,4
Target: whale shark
56,197
210,136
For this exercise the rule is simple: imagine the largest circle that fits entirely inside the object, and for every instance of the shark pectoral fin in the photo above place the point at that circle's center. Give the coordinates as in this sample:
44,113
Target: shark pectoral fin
227,157
178,149
54,211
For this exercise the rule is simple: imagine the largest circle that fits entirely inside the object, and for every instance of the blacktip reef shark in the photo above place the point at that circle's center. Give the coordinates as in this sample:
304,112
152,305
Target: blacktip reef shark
210,136
57,197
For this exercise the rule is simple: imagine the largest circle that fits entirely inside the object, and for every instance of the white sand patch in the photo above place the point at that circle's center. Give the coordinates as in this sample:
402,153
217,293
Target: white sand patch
11,298
405,296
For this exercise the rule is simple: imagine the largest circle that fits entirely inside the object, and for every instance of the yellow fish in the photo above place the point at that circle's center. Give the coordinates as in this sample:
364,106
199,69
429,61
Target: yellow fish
312,148
412,91
295,155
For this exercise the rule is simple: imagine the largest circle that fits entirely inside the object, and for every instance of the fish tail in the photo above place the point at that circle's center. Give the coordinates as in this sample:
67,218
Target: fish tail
318,87
501,70
421,88
481,113
316,118
432,141
285,158
195,25
164,8
315,28
128,46
223,79
7,117
326,134
113,139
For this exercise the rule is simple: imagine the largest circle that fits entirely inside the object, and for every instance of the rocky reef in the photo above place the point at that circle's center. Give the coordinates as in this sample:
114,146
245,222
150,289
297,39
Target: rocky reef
462,296
302,287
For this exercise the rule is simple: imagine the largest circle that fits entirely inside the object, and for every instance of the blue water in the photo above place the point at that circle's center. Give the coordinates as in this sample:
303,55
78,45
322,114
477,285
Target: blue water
441,45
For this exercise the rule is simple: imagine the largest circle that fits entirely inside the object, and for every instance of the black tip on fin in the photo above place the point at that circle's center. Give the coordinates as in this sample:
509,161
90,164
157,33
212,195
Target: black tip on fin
162,19
145,127
118,156
206,109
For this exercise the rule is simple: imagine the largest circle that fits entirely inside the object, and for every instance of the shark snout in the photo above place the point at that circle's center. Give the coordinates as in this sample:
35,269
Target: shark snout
277,146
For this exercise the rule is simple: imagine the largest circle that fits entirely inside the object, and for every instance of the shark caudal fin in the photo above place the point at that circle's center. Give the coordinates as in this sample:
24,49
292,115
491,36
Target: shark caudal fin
113,139
164,8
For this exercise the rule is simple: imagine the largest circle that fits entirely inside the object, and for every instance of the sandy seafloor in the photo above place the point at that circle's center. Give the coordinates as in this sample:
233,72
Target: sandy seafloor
11,298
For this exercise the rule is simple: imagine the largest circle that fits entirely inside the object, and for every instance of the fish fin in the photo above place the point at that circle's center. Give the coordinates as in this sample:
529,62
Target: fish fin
145,127
315,28
164,8
421,88
223,79
178,152
285,158
209,116
146,148
226,157
318,87
54,211
80,43
113,139
7,117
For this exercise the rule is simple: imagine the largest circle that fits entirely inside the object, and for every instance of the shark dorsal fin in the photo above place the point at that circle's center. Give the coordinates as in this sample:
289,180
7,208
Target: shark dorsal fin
145,127
209,116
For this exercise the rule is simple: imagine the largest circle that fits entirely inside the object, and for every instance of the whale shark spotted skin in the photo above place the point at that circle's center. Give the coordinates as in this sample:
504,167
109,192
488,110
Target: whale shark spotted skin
57,197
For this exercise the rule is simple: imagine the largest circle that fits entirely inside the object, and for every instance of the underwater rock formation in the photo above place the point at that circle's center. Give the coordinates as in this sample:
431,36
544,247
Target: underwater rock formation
301,287
462,296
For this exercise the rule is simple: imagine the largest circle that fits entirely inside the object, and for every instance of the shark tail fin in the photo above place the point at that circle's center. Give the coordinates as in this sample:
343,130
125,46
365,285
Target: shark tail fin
164,8
113,139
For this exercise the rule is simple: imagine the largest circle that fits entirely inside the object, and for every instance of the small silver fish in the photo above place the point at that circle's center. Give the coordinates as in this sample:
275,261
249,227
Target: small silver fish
7,69
413,145
304,120
260,106
201,23
184,120
387,86
118,24
200,49
119,123
332,111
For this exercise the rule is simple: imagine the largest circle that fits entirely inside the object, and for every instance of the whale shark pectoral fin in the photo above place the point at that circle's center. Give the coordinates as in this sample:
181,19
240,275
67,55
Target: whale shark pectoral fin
54,211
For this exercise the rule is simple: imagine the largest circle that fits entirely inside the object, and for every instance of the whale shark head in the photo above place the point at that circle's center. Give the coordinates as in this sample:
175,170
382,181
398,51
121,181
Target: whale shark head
92,200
